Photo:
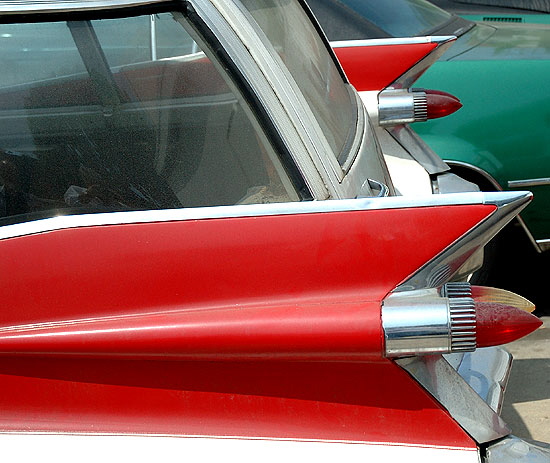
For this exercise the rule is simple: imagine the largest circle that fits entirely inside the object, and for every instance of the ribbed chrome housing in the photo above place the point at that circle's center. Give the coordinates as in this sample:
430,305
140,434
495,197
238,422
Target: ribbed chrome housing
402,106
462,316
430,321
463,324
457,289
420,103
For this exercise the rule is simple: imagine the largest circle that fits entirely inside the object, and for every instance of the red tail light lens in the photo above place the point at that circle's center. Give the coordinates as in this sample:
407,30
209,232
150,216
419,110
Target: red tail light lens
404,106
502,316
441,104
457,318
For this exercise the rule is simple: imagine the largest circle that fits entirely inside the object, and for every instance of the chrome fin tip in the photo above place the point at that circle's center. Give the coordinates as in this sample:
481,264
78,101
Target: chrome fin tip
437,39
442,39
506,198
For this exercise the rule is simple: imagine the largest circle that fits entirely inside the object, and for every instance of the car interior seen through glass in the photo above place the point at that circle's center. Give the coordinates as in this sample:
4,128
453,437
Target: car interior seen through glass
124,114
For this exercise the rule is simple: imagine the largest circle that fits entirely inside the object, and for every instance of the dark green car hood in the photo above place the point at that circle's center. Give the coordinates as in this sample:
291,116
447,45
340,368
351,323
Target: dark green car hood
502,42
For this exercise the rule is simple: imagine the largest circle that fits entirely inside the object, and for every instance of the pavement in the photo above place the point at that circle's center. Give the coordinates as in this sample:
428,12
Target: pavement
526,407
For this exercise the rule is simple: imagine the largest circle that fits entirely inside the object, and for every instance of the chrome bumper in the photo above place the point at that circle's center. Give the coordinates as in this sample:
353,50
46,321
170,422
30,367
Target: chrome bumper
515,450
471,387
486,371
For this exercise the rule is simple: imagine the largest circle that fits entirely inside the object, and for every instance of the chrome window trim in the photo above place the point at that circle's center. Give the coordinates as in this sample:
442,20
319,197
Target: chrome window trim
65,6
364,165
290,95
360,131
256,210
256,78
270,98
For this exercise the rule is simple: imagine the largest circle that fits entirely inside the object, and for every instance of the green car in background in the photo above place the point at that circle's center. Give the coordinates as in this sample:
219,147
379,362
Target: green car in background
500,139
507,11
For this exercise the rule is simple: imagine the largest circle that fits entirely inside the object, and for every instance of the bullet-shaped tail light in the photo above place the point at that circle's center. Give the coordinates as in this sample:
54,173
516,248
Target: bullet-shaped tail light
404,106
441,104
456,318
502,316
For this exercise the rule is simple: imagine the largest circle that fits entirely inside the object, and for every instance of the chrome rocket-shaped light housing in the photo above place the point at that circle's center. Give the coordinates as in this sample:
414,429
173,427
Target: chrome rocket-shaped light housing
456,318
404,106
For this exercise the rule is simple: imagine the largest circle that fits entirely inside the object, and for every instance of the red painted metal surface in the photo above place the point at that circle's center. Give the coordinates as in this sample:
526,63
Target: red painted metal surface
377,66
367,402
311,331
220,285
271,287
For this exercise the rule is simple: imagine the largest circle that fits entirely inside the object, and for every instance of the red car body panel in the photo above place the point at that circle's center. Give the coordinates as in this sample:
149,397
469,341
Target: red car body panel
306,286
390,62
363,402
291,286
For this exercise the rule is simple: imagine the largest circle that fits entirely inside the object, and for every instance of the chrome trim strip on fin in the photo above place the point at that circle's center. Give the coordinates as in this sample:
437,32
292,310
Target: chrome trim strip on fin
446,265
414,73
218,212
438,39
64,6
441,380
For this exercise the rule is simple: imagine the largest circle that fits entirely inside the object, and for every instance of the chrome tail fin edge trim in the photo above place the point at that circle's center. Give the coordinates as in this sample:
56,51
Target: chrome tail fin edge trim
444,266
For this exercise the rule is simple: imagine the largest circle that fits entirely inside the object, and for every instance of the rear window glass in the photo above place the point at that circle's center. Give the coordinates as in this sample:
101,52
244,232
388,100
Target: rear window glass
292,34
124,114
363,19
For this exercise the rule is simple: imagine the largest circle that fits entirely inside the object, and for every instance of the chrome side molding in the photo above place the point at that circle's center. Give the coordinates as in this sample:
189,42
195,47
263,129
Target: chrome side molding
486,371
513,450
60,222
528,183
442,381
63,6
